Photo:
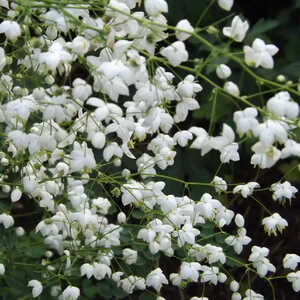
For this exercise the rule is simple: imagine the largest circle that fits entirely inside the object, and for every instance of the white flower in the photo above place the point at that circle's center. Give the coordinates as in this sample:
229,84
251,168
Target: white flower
130,3
2,269
220,184
245,120
55,290
118,10
155,7
202,141
260,54
51,32
11,29
101,205
281,106
291,261
273,223
260,262
4,3
130,256
6,220
185,26
271,131
37,287
190,271
238,241
71,293
175,53
101,270
188,87
55,55
182,137
54,17
82,157
210,274
111,150
130,283
283,191
210,252
156,279
231,88
251,295
223,71
19,139
183,107
225,144
81,90
225,4
265,156
86,269
290,148
175,279
237,30
79,45
246,189
187,234
294,278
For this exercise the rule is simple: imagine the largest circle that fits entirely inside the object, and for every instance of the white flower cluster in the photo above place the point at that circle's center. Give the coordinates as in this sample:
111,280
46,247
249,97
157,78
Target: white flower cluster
64,134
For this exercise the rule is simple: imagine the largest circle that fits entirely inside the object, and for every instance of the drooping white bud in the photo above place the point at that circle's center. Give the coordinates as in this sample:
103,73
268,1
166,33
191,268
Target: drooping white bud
232,89
15,195
225,4
223,71
121,217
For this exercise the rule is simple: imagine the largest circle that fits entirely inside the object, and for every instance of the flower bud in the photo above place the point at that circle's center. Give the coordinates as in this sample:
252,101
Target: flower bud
4,161
212,30
121,217
15,195
2,269
239,220
20,231
281,78
223,71
225,4
222,277
51,32
6,188
231,88
234,286
236,296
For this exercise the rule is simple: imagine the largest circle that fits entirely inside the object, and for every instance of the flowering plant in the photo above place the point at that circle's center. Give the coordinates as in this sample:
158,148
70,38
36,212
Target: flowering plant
108,190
